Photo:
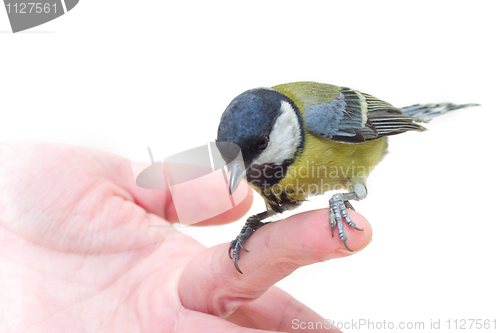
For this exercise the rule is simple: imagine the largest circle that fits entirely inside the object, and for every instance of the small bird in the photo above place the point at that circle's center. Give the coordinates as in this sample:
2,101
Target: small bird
307,138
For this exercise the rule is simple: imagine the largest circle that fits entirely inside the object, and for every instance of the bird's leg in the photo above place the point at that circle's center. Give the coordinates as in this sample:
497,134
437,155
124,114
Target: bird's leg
338,210
253,223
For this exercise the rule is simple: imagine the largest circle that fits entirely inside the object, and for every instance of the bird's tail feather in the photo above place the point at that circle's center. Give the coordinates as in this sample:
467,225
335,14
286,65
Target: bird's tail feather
426,112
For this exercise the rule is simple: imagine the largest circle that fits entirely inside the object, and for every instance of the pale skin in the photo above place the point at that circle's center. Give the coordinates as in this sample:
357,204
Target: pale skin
83,249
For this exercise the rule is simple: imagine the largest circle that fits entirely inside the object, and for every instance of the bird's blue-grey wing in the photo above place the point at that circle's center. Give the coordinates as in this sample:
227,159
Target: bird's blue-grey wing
354,117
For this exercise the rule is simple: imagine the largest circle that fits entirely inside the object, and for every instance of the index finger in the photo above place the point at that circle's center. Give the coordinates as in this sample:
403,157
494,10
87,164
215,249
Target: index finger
211,284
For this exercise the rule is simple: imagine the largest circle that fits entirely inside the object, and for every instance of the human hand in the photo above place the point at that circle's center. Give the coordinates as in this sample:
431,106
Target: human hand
81,251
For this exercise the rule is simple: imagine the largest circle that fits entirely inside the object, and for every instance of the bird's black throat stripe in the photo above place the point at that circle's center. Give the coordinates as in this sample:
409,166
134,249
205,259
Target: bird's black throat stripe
267,175
264,177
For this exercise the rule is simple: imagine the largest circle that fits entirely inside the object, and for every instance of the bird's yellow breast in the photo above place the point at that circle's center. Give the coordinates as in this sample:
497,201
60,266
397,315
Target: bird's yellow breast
325,165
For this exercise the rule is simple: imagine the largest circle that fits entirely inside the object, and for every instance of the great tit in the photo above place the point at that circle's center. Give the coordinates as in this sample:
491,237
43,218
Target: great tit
306,138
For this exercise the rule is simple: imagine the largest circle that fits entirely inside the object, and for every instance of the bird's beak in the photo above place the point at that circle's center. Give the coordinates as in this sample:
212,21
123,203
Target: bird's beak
237,172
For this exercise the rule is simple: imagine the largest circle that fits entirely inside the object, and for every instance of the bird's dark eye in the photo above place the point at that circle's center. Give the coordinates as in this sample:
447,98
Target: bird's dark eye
264,142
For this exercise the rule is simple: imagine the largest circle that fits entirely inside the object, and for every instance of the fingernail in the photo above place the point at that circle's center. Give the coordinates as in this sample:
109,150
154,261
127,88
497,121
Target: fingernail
341,253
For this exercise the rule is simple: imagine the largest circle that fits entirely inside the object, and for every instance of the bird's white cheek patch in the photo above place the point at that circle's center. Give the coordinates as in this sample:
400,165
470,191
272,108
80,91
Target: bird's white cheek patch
284,138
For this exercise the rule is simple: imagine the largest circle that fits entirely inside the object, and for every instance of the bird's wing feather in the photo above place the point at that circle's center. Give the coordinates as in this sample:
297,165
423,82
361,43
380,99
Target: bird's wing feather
346,115
386,119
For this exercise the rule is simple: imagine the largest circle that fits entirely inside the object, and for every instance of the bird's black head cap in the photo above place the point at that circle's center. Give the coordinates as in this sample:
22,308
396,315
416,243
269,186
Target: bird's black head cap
248,119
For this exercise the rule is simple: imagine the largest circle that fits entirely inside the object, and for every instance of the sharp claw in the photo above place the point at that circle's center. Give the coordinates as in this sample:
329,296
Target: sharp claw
231,247
358,229
236,265
347,247
349,205
332,228
242,247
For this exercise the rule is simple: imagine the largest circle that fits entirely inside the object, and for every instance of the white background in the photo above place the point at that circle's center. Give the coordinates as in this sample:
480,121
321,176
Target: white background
124,75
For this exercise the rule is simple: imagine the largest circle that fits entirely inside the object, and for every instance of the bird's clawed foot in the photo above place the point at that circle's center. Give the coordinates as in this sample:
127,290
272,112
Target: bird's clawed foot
253,223
338,214
235,246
